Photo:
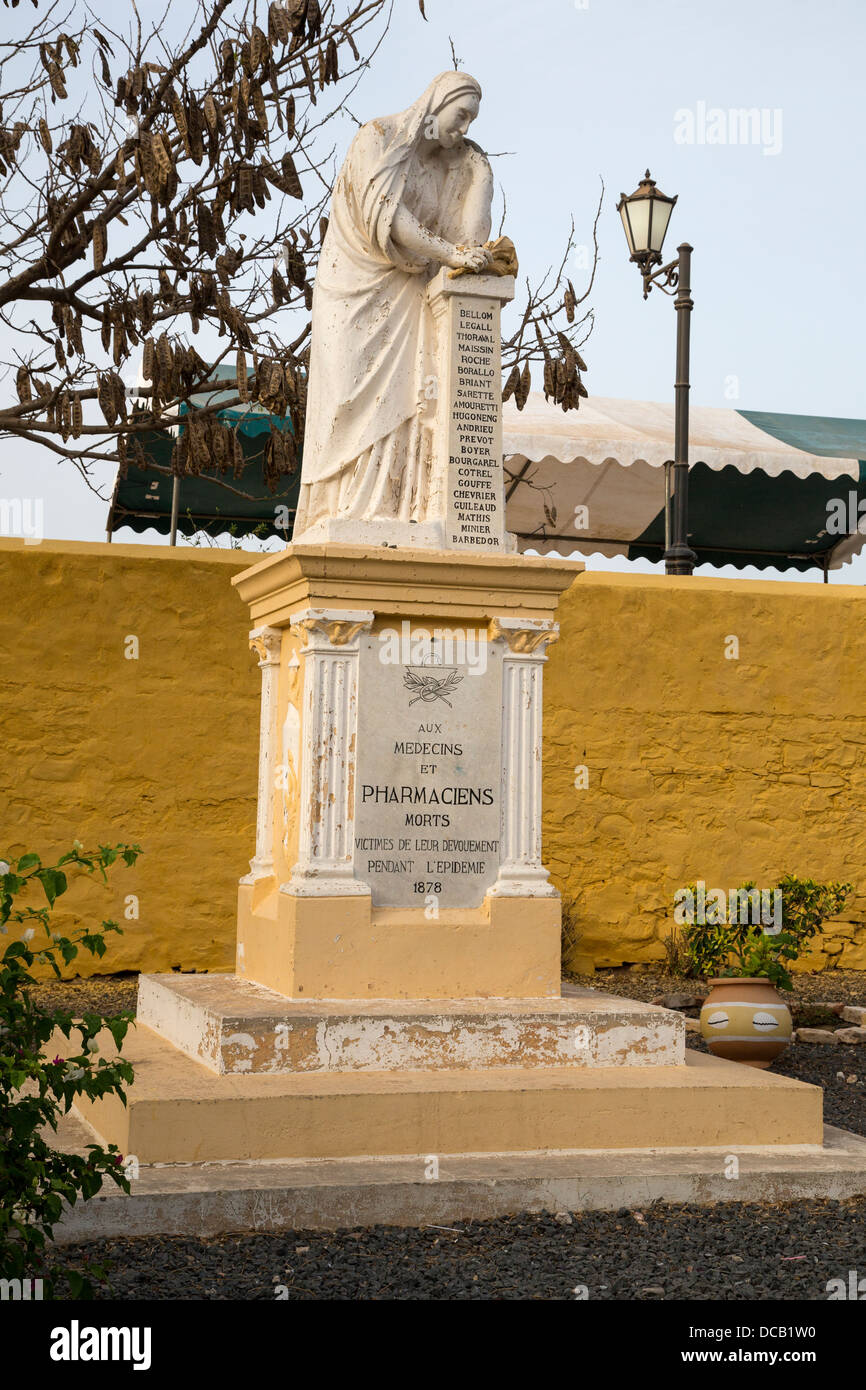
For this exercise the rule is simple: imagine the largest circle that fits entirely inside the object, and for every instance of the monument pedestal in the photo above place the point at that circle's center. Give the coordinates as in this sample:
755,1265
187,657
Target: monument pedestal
399,815
397,988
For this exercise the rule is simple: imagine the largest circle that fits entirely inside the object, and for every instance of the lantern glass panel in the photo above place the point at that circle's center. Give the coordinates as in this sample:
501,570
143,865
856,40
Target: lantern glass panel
638,211
660,219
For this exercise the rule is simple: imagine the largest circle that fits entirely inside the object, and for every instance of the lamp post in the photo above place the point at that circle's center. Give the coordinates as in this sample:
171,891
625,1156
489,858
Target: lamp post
645,215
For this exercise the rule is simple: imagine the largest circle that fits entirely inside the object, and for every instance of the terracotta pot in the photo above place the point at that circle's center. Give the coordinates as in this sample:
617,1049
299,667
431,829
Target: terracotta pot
746,1020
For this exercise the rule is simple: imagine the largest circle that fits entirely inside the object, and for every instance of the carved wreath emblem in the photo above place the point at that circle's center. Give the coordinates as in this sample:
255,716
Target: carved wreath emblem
429,688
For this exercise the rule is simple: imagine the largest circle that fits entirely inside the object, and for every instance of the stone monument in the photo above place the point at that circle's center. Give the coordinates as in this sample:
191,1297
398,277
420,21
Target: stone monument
397,985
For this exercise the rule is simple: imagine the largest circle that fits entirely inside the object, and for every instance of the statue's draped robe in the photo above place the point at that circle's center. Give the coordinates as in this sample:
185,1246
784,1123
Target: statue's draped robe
366,446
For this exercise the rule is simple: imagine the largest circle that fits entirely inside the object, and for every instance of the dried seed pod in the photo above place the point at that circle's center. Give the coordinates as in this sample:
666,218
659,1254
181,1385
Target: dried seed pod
45,135
105,397
279,288
290,177
241,375
58,86
146,311
290,117
100,243
259,48
119,391
121,349
308,74
211,114
76,417
258,98
22,384
148,163
227,53
199,447
219,447
512,383
521,395
74,334
206,236
278,24
569,302
147,360
162,155
332,69
323,229
180,121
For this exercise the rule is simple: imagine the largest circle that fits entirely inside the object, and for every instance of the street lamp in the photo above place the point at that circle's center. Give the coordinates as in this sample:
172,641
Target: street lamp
645,215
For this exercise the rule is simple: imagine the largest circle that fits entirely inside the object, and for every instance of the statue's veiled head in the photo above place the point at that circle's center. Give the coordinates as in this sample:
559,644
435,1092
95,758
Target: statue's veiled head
455,118
456,98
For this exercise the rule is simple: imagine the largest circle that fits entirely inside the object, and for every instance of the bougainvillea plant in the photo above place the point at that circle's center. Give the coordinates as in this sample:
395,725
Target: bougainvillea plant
38,1087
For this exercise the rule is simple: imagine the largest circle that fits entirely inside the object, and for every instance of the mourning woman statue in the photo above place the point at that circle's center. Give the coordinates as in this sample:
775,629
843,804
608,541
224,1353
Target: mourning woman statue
413,194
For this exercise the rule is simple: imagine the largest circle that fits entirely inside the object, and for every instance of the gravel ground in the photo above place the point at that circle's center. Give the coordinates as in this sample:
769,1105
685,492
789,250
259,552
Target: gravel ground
645,982
106,994
727,1253
730,1252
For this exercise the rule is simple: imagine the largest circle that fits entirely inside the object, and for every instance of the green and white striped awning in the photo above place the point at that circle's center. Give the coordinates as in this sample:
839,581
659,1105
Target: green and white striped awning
764,489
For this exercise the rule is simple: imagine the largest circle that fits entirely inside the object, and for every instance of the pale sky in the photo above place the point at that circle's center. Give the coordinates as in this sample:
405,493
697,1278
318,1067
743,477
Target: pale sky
575,90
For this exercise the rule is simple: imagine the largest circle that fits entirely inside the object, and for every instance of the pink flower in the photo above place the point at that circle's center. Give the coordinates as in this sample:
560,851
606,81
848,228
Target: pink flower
57,1062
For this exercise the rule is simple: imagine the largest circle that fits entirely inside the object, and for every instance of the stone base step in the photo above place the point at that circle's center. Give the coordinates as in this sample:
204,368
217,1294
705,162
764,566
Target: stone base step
180,1112
209,1199
232,1025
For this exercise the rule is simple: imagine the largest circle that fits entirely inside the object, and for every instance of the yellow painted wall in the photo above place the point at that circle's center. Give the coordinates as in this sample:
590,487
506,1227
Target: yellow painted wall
161,750
699,767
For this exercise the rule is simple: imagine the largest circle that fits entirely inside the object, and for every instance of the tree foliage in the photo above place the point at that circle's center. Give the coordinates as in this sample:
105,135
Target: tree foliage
163,193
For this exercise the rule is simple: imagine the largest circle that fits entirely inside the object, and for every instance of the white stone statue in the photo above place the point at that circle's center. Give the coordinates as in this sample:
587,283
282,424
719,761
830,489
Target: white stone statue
413,194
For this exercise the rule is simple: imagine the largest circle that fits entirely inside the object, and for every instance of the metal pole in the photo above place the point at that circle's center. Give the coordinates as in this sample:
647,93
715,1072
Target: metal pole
175,503
679,557
668,467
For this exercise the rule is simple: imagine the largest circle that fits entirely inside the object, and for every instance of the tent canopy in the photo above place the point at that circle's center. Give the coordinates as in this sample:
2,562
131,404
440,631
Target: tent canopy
761,485
211,501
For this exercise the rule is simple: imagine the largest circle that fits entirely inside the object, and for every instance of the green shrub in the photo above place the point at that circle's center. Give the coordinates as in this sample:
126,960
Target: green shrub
35,1091
748,949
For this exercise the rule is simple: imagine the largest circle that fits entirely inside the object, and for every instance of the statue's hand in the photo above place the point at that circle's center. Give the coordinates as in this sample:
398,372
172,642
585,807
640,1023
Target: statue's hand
473,258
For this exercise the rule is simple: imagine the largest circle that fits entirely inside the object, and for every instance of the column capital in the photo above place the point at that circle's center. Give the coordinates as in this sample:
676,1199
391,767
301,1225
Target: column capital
323,628
266,642
526,637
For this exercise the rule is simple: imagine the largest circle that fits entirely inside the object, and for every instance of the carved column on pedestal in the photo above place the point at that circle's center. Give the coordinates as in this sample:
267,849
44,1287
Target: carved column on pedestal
266,643
325,864
521,872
